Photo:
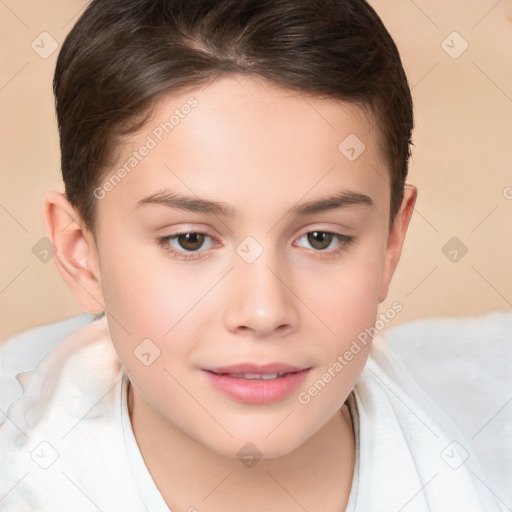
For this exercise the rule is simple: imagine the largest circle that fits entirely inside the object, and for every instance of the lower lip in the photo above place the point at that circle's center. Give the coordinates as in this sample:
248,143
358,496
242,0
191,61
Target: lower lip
258,391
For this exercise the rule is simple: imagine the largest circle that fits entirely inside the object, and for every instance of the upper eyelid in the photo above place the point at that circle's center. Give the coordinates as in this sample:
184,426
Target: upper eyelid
204,232
342,238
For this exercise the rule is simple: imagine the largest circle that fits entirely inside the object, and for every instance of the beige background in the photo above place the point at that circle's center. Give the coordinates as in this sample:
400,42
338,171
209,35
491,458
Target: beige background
461,161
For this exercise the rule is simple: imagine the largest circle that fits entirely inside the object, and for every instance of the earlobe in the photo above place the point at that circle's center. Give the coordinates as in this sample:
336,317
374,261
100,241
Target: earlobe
396,239
76,256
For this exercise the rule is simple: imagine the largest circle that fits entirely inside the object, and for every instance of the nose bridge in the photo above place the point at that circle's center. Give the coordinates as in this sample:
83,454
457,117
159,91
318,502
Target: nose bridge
259,299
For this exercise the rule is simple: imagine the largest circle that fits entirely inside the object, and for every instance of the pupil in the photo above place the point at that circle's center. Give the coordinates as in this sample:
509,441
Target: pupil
319,239
191,241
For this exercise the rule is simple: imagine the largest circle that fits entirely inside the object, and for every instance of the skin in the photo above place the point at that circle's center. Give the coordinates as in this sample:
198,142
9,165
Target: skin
260,149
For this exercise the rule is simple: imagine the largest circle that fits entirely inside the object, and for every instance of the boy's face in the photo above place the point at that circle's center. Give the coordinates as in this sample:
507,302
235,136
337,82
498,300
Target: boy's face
255,288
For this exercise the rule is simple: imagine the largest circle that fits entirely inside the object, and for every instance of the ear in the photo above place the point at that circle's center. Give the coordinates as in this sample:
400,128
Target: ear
77,255
396,239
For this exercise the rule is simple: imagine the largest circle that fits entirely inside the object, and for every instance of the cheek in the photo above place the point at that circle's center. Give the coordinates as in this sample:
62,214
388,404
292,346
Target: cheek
345,296
148,292
156,307
347,305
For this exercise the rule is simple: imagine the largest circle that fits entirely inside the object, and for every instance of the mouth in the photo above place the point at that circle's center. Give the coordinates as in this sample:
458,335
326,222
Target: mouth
257,384
254,376
276,368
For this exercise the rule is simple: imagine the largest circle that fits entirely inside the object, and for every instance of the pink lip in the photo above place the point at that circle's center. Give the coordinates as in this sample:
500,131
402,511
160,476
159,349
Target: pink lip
256,368
257,391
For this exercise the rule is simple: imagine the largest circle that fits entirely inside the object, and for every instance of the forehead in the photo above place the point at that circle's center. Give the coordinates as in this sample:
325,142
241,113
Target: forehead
240,139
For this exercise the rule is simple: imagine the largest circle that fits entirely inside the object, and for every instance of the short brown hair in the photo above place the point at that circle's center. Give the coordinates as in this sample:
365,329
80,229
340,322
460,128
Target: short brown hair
122,56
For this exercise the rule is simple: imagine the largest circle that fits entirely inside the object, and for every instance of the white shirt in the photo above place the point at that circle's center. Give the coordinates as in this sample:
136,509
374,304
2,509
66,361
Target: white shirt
67,442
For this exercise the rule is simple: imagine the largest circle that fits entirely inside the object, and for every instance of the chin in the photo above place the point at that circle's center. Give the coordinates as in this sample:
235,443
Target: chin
257,446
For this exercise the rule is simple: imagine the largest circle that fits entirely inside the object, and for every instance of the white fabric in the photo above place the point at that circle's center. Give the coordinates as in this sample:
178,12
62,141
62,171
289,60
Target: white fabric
465,365
22,352
72,419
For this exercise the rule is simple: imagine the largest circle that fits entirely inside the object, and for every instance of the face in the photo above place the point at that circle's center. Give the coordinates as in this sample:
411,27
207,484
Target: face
246,233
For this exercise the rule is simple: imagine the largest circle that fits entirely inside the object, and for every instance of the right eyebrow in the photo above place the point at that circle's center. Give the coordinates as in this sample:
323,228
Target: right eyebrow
184,202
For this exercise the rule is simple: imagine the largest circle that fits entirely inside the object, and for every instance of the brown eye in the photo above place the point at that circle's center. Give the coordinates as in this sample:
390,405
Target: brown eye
187,246
325,244
191,241
320,240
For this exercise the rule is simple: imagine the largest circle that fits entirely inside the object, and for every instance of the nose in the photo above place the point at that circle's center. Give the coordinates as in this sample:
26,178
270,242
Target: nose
260,299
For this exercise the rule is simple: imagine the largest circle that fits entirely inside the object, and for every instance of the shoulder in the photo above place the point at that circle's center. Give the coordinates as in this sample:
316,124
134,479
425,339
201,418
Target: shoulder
24,351
62,433
401,419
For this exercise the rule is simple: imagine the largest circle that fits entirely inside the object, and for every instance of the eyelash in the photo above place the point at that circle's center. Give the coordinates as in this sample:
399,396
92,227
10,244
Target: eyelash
344,242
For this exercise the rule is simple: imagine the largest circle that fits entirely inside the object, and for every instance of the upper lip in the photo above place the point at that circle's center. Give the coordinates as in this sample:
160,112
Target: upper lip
265,369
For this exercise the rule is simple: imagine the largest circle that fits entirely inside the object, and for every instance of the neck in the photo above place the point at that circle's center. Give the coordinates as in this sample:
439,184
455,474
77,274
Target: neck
315,476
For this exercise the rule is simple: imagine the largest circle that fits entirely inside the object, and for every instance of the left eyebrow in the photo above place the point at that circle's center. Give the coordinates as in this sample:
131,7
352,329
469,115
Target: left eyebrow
342,200
166,198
